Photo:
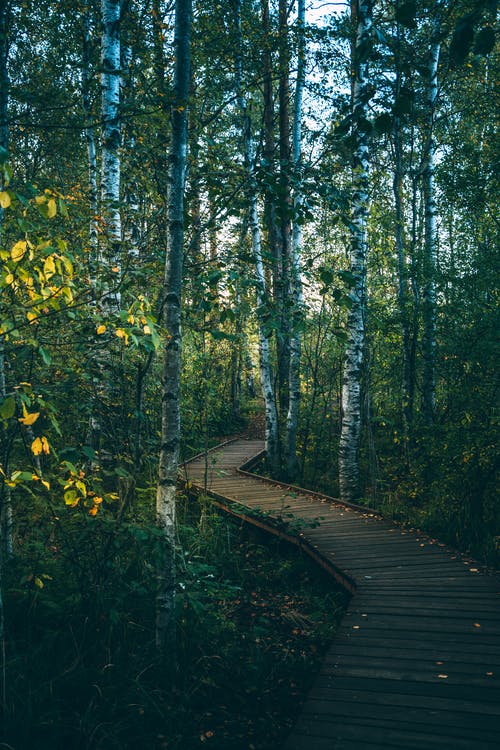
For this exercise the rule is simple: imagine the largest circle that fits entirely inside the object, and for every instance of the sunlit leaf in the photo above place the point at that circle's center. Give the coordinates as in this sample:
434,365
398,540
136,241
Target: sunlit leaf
51,208
29,419
4,199
19,251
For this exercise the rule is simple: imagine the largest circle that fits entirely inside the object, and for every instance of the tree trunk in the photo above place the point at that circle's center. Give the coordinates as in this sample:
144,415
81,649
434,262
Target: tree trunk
271,435
283,330
110,156
349,482
430,246
397,187
295,280
6,542
91,147
170,423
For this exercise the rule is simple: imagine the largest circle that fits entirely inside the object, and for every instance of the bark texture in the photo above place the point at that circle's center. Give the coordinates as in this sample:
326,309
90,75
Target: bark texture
111,139
170,427
91,145
295,280
353,362
271,433
430,245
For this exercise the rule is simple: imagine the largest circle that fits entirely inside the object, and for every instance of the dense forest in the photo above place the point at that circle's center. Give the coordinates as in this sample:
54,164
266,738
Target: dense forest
217,217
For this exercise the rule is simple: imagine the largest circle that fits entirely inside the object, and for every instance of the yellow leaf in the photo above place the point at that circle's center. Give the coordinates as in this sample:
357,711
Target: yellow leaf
18,251
115,269
97,500
46,484
131,319
9,279
4,199
49,267
100,329
40,199
146,329
122,334
39,582
29,419
36,446
40,445
51,208
31,316
93,510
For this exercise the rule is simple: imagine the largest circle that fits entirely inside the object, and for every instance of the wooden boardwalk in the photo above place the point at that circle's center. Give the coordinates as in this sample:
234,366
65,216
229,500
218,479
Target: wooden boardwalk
416,662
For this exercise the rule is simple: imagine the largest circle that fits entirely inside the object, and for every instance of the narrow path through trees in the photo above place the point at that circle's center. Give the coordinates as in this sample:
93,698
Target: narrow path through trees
416,661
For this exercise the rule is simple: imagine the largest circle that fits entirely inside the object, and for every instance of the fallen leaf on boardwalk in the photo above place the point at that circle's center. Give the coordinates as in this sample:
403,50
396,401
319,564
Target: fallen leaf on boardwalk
477,625
489,674
443,676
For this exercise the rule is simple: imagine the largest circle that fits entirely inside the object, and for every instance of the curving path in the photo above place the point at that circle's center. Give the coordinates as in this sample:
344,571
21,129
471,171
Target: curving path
416,662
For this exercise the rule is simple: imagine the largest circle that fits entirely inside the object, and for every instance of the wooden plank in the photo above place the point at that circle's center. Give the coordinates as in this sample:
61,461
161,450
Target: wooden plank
417,603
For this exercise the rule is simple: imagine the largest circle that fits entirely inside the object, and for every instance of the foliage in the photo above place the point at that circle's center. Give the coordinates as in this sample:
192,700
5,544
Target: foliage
253,621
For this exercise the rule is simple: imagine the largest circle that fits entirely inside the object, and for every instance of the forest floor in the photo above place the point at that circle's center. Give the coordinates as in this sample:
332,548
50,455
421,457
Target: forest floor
254,620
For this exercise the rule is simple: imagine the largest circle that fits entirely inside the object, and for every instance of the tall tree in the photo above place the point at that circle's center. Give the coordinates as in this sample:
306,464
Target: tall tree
430,233
271,430
172,292
295,287
5,494
349,479
111,139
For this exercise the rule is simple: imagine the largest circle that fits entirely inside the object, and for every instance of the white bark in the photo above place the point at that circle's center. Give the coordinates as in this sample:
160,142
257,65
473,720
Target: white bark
295,280
271,433
110,156
6,541
91,146
170,431
131,228
351,385
430,247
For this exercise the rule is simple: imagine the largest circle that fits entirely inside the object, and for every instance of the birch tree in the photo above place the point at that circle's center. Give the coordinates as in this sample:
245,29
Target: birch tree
90,138
351,386
170,398
271,430
5,497
111,138
295,280
430,244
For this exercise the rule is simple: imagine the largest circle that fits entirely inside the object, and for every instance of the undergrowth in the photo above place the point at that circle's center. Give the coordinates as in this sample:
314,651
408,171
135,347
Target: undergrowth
81,671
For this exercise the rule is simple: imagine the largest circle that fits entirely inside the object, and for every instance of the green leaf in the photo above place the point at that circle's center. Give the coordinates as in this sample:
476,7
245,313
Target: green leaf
45,355
8,408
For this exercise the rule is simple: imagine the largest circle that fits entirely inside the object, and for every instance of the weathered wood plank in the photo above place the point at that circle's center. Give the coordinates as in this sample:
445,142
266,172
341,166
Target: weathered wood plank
416,661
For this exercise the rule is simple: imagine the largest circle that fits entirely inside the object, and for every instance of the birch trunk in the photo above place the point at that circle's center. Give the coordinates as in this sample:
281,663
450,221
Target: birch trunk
170,422
131,228
110,156
6,542
271,434
268,147
430,245
295,280
283,330
349,483
91,148
397,187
